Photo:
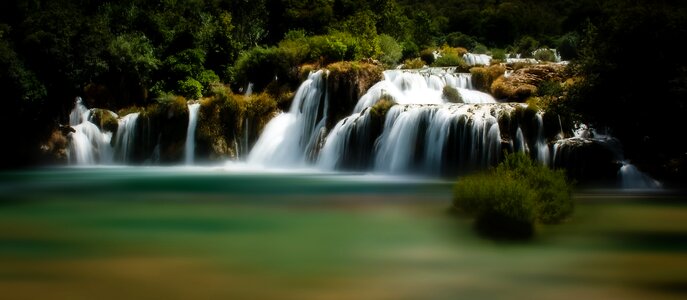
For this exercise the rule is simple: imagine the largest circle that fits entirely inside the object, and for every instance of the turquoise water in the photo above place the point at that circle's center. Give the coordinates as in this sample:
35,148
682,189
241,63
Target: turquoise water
232,233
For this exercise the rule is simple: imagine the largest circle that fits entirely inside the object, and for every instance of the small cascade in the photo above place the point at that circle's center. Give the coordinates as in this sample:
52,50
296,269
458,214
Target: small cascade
476,59
543,154
124,140
79,113
632,178
423,86
88,145
598,157
190,146
290,137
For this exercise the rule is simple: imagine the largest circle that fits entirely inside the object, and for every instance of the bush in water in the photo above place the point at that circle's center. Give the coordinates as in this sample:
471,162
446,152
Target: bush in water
510,199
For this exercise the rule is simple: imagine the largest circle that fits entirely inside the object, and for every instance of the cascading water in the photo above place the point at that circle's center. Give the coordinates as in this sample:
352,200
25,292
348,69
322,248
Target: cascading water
633,178
124,140
88,144
429,139
190,145
424,86
289,138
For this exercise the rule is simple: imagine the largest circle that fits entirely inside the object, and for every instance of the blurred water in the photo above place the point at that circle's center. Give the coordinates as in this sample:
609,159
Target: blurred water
237,232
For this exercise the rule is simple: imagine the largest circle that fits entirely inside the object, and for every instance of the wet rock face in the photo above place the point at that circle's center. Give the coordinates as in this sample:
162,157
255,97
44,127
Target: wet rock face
589,161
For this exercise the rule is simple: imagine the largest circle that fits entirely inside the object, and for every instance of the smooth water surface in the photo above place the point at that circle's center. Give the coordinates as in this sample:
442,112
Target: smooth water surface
231,233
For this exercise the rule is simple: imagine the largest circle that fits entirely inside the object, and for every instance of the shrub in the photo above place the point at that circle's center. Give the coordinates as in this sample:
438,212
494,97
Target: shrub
458,39
391,51
427,56
508,200
206,79
545,55
190,88
480,49
549,88
553,201
526,45
498,54
503,206
480,78
448,60
415,63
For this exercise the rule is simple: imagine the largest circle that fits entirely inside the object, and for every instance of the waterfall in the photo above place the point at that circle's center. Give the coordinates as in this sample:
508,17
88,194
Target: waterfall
124,140
632,178
190,146
429,139
88,145
424,86
290,137
476,59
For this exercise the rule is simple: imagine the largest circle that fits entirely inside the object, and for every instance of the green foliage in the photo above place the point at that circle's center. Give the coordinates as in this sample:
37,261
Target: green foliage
553,201
410,49
133,54
502,206
190,88
337,46
390,50
518,192
206,78
415,63
427,55
451,94
458,39
526,45
545,55
480,49
448,60
568,45
498,54
361,26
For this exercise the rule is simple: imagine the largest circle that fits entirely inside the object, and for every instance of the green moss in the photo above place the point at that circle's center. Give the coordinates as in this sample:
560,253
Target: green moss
452,95
382,106
105,120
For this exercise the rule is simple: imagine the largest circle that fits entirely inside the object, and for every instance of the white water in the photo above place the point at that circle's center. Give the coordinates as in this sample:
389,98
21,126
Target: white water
633,178
427,139
124,140
190,145
90,146
291,136
476,59
423,86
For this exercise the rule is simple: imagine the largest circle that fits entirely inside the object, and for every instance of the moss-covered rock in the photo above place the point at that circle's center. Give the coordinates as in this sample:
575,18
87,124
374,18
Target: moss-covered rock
171,118
451,94
346,83
483,77
105,119
522,83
